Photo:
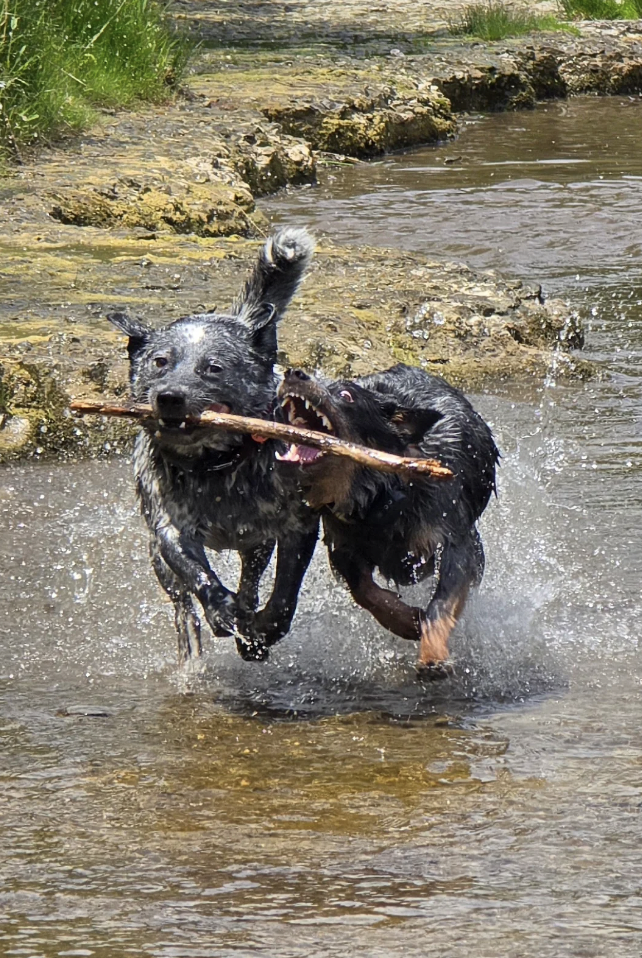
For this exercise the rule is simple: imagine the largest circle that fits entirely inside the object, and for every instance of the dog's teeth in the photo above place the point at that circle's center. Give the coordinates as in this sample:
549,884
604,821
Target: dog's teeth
183,425
161,422
292,455
307,404
326,422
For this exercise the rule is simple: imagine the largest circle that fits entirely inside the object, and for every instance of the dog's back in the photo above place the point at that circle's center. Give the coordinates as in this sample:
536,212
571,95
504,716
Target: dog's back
456,435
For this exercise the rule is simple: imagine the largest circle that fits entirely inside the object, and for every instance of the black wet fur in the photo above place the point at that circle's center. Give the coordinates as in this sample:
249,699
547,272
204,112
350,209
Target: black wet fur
381,521
202,489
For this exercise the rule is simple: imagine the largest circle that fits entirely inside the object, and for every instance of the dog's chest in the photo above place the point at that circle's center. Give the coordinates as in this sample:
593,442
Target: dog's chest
394,534
234,509
233,515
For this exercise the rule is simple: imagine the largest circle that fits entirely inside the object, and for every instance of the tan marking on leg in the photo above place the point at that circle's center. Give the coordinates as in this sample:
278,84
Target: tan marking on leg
330,483
433,647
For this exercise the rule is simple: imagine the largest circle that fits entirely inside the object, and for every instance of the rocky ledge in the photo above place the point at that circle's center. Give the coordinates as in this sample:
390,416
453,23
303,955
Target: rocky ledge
358,310
254,121
156,212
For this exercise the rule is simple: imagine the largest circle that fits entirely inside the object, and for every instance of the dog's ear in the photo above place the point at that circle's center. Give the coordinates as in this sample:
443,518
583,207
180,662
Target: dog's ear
263,326
138,333
413,424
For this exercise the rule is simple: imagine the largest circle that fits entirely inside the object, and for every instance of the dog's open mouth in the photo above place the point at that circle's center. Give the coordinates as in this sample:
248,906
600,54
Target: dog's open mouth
301,412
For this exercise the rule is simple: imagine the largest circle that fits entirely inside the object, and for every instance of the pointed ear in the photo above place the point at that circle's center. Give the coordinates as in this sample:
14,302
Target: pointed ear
132,327
413,424
262,316
263,323
138,333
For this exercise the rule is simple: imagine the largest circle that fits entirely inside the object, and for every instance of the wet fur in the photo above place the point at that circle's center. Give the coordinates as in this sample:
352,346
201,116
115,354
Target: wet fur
202,489
374,520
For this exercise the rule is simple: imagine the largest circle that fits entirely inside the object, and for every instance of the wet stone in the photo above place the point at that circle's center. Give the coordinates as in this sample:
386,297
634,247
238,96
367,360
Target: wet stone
206,209
84,711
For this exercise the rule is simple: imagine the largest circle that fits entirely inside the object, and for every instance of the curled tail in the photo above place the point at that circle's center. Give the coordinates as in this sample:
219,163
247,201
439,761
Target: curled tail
276,276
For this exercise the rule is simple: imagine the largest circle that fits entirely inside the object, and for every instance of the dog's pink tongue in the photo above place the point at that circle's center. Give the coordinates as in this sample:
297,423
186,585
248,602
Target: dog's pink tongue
307,454
218,407
299,454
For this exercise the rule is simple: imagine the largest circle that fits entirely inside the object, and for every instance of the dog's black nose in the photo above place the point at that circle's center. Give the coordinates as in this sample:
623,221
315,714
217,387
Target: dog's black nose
296,373
171,405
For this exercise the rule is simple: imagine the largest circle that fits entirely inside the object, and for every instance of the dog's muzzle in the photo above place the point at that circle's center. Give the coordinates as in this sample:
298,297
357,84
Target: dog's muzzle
171,406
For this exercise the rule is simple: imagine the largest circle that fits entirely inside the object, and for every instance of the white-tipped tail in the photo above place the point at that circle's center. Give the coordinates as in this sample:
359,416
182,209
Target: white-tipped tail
281,266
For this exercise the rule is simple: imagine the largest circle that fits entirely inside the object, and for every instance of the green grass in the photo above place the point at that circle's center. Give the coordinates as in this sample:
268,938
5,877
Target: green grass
493,20
61,58
602,9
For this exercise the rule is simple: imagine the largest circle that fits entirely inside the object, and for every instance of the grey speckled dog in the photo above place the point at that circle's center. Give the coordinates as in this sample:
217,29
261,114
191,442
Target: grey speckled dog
202,488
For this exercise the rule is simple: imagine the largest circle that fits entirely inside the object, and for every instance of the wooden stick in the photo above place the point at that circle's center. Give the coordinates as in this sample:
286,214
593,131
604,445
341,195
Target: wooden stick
265,429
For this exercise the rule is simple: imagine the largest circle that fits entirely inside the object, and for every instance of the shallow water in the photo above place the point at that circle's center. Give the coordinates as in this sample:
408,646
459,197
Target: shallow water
326,804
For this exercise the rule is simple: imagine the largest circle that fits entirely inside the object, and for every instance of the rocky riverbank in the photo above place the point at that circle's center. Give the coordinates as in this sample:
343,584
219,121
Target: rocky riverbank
156,211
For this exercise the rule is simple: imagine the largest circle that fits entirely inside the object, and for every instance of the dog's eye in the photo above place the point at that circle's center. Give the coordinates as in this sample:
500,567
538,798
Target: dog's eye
345,394
160,361
213,366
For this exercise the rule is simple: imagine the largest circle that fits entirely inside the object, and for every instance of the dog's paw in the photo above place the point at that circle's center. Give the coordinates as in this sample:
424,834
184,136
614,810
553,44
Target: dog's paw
251,649
221,616
434,671
265,628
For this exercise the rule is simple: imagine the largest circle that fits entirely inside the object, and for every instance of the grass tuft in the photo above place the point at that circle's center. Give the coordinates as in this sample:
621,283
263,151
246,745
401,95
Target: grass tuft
602,9
61,58
493,20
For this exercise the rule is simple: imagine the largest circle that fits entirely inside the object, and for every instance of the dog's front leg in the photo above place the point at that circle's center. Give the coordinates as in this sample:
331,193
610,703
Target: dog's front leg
254,562
187,560
294,554
188,626
431,628
387,607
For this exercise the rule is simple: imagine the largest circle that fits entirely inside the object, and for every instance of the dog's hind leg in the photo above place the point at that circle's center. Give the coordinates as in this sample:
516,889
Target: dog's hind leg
188,625
461,567
293,558
387,607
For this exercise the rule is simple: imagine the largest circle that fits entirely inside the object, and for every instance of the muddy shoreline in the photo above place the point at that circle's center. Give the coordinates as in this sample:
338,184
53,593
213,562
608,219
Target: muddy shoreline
156,212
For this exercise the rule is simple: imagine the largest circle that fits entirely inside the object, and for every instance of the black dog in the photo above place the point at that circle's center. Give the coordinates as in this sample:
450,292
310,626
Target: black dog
408,530
201,488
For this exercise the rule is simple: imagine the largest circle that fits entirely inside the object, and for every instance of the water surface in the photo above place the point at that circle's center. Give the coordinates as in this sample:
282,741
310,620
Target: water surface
326,804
